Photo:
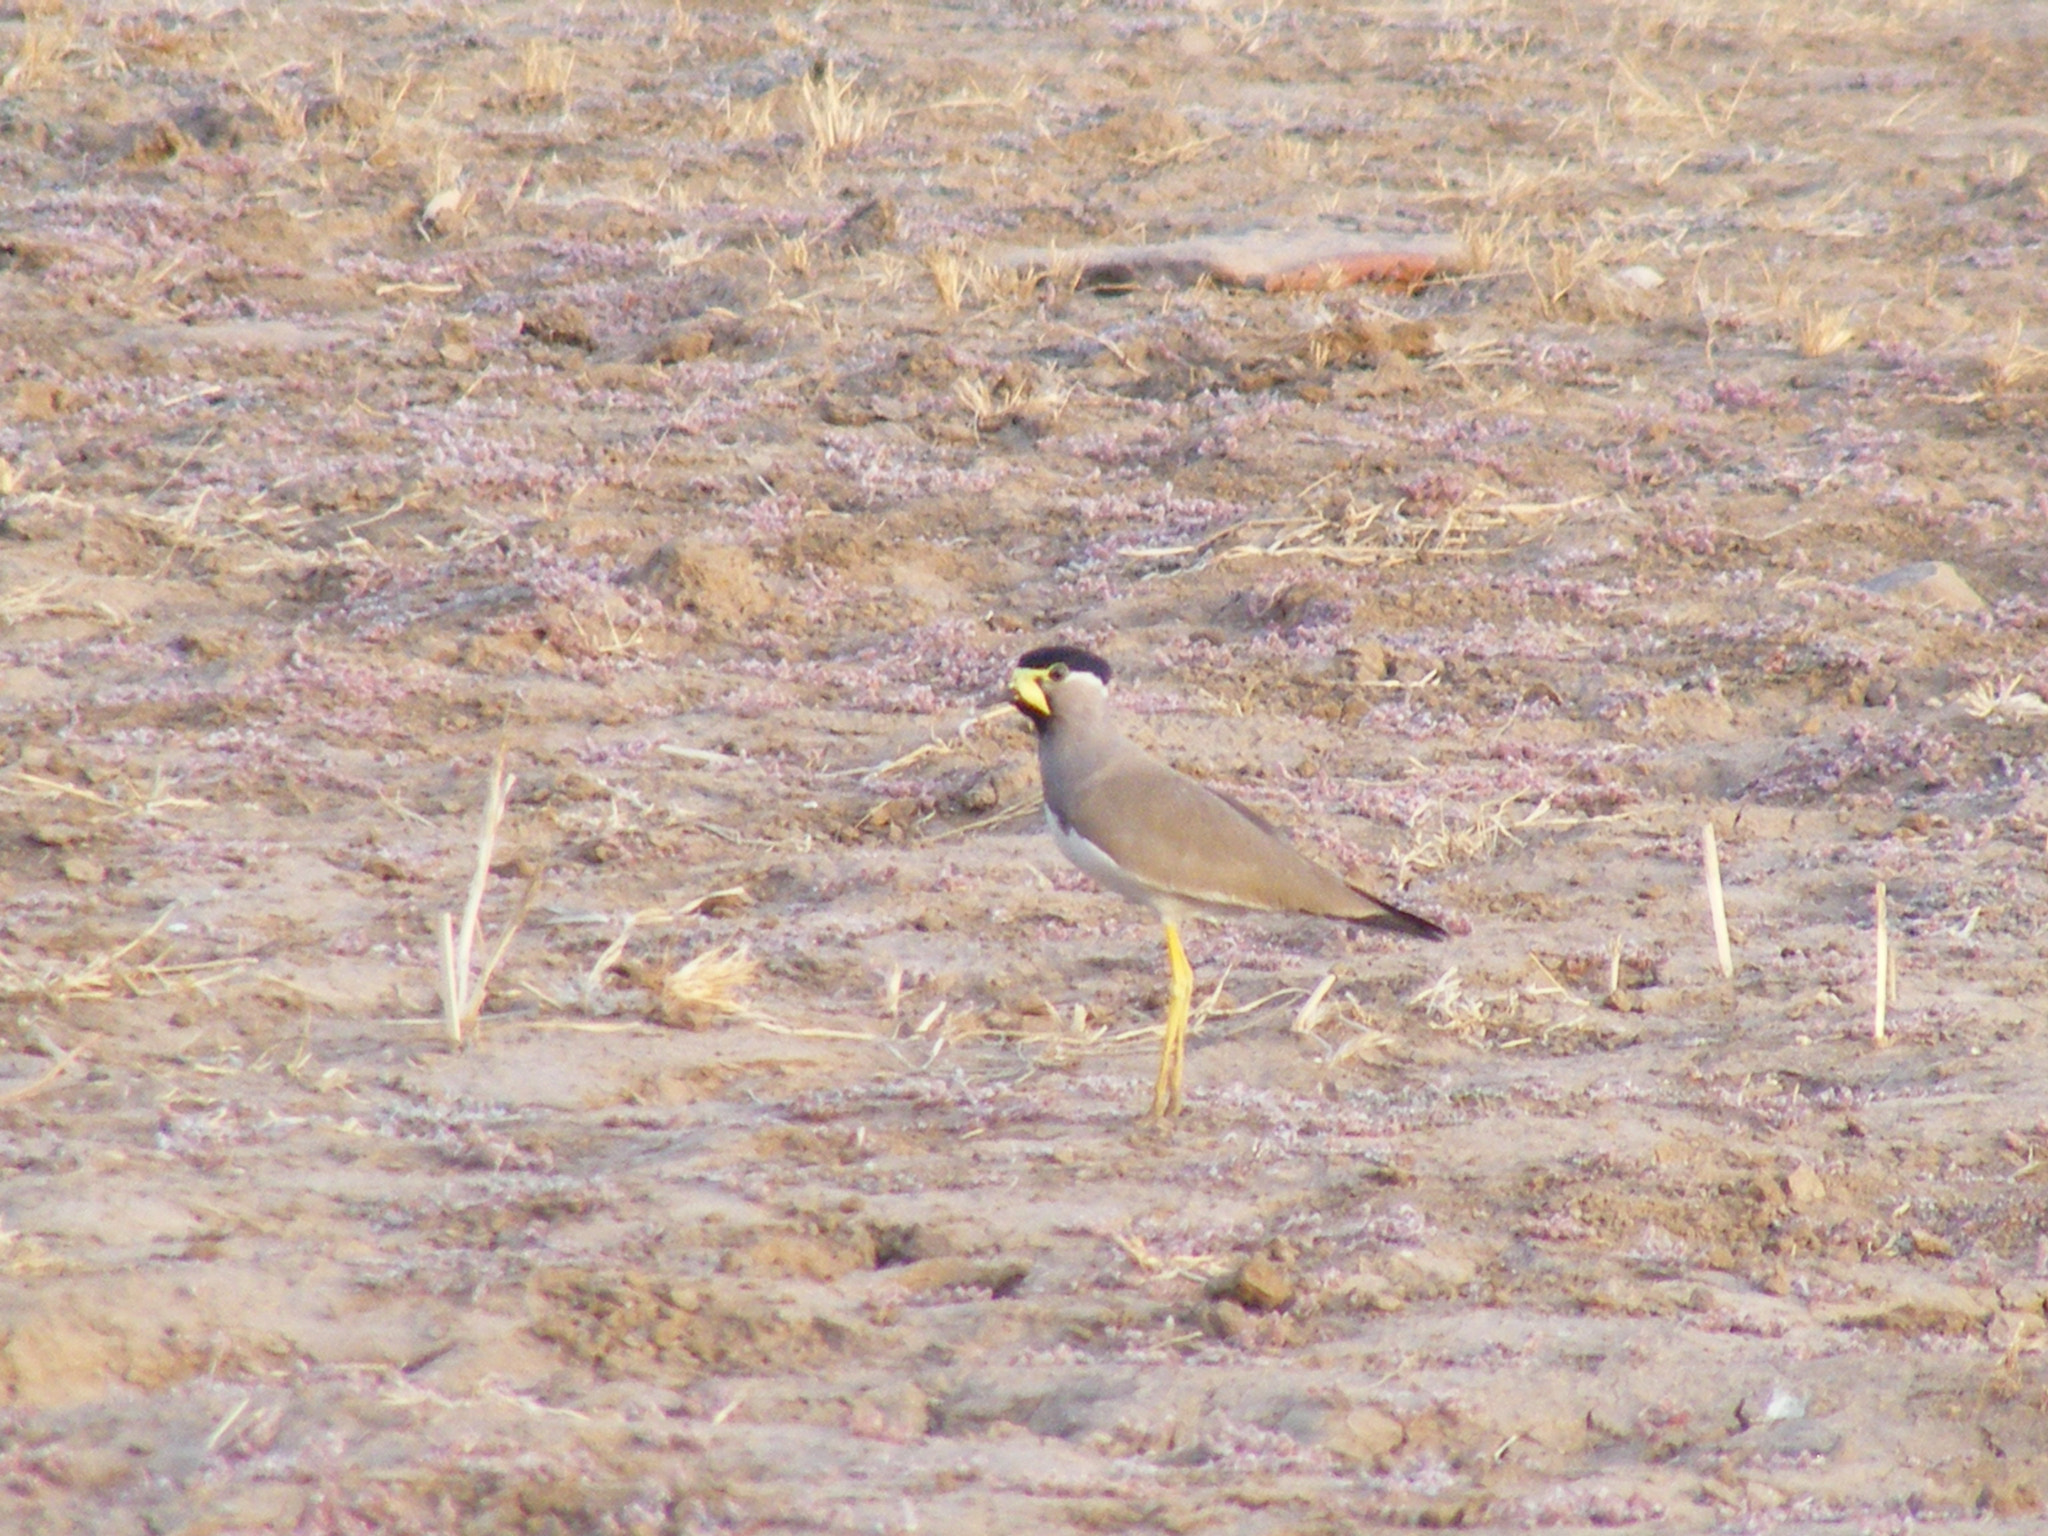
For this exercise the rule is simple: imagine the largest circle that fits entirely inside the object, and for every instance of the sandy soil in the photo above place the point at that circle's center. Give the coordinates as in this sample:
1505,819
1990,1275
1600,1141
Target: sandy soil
643,391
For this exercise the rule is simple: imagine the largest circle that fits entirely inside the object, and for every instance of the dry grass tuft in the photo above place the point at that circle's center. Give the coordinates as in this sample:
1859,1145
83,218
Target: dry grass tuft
1293,158
1446,1004
116,798
2005,168
51,600
949,275
39,61
836,117
1824,331
1633,98
1018,394
706,988
1494,243
1465,837
1373,534
959,277
2001,702
753,118
2012,364
791,256
113,973
1561,270
1013,287
284,110
545,70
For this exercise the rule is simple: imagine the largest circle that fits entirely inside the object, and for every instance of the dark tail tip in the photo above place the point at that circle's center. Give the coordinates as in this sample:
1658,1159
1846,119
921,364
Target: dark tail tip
1394,920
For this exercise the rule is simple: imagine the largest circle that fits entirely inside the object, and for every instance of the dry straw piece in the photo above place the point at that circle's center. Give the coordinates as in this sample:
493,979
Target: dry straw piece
1716,905
462,995
706,988
114,973
1311,1011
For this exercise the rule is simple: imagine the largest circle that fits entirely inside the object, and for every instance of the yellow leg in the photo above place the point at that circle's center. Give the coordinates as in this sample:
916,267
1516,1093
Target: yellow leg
1166,1094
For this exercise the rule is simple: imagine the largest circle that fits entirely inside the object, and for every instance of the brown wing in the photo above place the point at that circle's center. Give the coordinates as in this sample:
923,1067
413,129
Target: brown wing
1187,841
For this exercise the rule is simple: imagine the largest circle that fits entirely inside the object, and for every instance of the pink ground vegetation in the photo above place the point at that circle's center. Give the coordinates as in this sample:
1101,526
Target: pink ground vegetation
726,393
1914,760
935,669
882,473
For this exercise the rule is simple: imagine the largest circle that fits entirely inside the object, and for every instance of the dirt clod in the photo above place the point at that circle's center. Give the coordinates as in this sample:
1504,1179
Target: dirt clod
1260,1284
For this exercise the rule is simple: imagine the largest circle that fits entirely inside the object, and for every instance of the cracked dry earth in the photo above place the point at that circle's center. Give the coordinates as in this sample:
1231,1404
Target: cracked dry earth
643,392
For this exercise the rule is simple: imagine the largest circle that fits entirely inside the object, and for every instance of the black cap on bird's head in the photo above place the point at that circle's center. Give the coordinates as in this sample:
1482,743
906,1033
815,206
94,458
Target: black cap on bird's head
1072,657
1050,664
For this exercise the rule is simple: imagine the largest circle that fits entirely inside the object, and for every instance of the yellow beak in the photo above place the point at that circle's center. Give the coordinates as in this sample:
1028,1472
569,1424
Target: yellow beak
1027,688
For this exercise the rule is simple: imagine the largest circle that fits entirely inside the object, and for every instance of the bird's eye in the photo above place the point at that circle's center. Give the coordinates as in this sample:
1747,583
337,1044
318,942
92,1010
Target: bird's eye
1057,671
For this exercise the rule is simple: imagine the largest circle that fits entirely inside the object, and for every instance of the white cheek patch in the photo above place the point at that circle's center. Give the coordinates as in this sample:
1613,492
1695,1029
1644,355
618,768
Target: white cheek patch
1086,682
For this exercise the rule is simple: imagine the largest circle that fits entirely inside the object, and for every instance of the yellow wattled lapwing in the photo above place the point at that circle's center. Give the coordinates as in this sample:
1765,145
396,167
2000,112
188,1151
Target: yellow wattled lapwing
1154,836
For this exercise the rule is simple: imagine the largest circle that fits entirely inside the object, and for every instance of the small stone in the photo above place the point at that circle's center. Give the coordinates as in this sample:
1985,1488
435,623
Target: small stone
1424,1275
1725,1494
869,227
2029,1295
999,1277
559,325
41,400
1227,1320
1643,279
1372,1291
1796,1437
443,215
1914,1303
997,786
1365,1434
1259,1284
1804,1188
20,253
2007,1492
1772,1407
898,1413
1929,584
682,346
1937,1502
89,1468
457,345
80,870
844,411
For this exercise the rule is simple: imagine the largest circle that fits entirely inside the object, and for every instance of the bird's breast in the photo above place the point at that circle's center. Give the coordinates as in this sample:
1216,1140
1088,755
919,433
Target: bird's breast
1094,863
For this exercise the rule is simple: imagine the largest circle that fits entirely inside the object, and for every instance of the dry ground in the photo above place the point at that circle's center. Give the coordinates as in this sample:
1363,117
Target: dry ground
644,391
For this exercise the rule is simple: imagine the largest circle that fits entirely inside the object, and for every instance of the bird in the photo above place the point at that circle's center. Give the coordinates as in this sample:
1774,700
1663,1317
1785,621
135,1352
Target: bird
1156,837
